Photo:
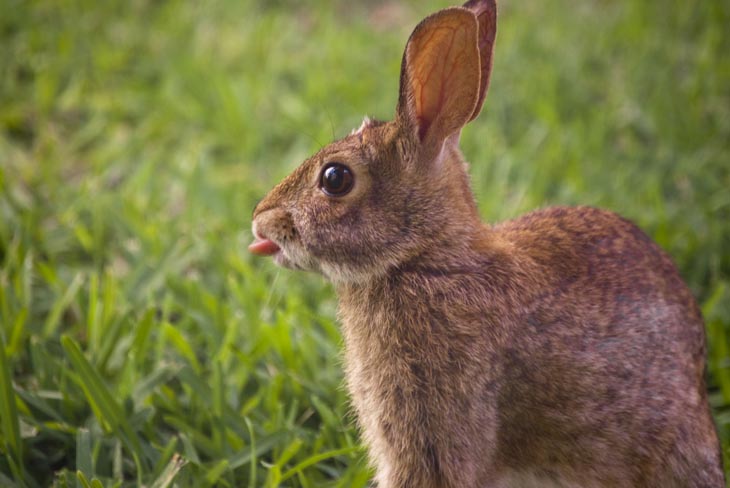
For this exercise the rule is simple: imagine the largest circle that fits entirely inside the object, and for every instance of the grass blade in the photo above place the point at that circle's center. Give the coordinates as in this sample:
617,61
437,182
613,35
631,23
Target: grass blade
170,472
103,403
84,461
9,413
54,317
310,461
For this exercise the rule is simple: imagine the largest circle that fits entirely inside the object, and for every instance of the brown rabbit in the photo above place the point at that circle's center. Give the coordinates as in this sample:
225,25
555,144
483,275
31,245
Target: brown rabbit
558,349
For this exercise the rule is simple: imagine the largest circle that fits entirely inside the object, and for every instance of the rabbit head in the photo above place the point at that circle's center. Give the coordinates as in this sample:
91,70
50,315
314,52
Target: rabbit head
390,190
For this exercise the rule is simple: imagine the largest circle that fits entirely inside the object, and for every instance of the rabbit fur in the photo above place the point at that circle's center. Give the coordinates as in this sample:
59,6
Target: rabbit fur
558,349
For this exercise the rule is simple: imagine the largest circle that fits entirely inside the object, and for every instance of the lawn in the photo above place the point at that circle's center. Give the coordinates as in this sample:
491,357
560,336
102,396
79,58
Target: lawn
140,344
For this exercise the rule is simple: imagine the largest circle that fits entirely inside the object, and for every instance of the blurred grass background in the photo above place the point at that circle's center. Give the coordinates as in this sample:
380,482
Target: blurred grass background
141,344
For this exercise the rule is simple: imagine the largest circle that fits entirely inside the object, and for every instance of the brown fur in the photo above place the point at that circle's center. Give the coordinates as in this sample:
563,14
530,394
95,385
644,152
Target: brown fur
558,349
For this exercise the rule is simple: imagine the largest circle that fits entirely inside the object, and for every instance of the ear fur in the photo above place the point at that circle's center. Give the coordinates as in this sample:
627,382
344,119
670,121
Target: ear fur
440,75
445,71
486,14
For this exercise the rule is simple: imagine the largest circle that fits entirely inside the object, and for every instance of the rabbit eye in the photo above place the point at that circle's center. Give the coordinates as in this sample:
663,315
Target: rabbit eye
336,179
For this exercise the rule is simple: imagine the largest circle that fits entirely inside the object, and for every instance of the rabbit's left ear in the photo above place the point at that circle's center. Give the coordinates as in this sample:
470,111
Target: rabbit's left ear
444,74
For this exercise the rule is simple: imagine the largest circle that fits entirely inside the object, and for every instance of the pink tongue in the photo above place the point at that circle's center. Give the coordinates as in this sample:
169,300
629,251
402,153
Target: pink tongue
263,247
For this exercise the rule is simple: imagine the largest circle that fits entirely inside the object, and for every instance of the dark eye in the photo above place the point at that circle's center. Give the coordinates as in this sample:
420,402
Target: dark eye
336,179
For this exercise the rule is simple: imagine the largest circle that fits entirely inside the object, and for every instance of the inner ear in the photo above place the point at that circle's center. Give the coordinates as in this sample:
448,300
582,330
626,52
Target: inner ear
440,75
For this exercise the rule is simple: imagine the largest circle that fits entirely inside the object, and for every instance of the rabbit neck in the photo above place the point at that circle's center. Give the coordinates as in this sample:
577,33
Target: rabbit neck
422,341
435,294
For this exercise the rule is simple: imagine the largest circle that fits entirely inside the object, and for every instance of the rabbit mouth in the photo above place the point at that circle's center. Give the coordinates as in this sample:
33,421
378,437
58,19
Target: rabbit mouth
286,252
263,246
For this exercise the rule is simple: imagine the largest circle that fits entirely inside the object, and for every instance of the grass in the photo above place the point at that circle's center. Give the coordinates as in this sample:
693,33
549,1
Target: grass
141,345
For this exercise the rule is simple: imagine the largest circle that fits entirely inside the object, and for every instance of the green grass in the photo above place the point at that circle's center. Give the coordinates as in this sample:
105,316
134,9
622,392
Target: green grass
141,344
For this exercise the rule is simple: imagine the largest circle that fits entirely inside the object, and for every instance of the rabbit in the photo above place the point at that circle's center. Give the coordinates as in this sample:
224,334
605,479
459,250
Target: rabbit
561,348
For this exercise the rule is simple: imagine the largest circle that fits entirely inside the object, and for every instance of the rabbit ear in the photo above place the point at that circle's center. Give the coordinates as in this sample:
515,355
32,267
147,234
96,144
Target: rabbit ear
440,76
486,14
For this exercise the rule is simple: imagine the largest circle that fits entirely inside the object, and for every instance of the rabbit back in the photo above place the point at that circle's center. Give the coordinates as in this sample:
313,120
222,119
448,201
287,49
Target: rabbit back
606,365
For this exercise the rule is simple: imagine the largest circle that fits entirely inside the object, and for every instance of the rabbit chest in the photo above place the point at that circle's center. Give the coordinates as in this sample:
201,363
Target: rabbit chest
422,370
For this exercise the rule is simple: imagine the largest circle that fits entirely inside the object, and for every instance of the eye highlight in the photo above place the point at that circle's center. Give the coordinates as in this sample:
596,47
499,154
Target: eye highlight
336,179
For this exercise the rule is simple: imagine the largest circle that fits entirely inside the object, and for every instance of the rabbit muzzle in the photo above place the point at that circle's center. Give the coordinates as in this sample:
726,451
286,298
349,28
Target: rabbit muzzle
275,235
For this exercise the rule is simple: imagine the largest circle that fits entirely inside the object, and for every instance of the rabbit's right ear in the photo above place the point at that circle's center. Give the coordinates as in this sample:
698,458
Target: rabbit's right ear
441,77
486,14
